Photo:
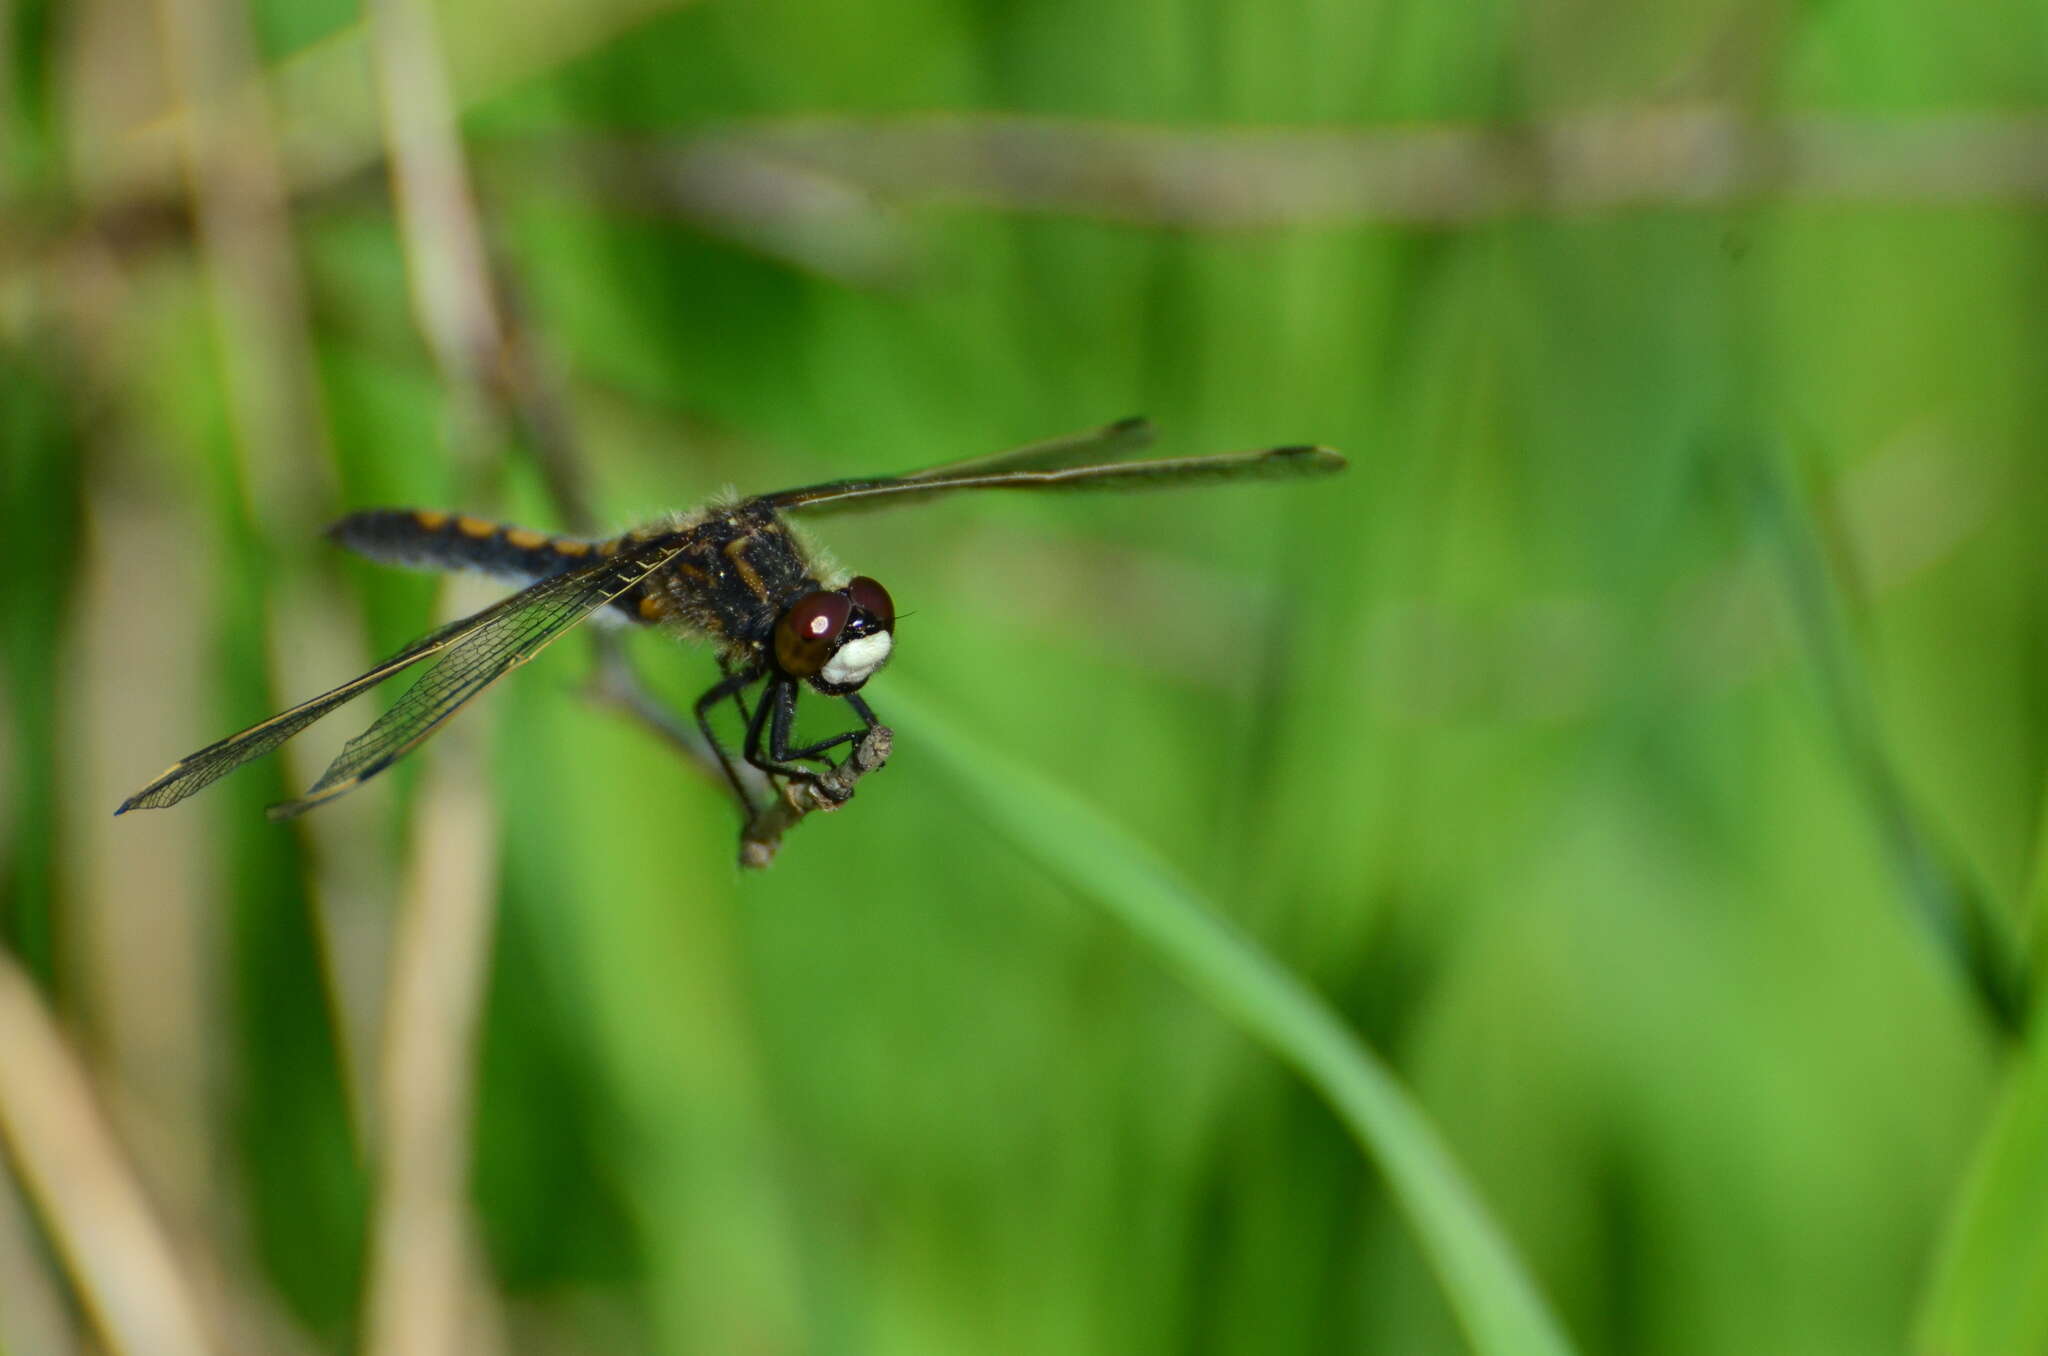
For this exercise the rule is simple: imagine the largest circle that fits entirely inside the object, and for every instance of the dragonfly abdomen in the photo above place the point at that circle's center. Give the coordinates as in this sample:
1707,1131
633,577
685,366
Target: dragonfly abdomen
431,540
428,539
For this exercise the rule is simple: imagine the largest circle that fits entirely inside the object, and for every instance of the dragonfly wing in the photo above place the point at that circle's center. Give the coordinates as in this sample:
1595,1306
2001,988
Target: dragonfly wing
1103,444
549,599
482,655
1107,443
1279,463
203,768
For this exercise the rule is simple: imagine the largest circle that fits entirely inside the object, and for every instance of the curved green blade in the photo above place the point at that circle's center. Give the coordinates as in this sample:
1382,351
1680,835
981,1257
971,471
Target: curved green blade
1489,1289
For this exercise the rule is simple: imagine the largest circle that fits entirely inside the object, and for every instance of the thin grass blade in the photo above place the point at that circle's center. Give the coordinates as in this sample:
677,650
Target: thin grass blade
1491,1292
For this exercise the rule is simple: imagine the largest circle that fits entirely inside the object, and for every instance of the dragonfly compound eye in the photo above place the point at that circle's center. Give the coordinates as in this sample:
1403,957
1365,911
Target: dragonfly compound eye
872,599
808,634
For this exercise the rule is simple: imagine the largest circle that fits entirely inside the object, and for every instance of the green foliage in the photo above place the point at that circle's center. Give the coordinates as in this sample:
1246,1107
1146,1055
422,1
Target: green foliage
1590,850
1988,1295
1495,1303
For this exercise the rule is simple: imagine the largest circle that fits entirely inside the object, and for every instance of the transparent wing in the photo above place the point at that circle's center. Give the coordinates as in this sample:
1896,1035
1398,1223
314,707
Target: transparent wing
1103,444
474,652
1279,463
1107,443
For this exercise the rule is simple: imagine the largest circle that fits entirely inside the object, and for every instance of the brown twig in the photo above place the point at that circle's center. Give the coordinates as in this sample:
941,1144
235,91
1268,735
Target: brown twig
763,834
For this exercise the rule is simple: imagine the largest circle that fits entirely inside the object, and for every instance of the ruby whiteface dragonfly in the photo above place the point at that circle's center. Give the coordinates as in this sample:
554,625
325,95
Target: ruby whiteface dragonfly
731,573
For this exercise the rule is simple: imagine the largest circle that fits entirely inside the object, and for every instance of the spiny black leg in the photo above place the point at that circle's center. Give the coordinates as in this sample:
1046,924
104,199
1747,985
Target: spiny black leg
778,727
758,722
781,696
730,686
739,696
778,745
776,758
860,708
817,751
778,736
779,700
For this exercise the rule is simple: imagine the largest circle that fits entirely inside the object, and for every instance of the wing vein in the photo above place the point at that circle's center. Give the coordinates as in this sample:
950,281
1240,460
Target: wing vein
1279,463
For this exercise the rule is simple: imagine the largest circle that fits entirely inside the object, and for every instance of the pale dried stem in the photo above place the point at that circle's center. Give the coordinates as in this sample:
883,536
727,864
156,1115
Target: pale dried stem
33,1314
824,193
115,1250
452,297
789,183
240,206
484,352
425,1293
1698,156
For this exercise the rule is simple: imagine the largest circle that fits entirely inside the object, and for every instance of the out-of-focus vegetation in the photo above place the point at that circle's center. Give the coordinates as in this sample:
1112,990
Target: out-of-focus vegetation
1640,751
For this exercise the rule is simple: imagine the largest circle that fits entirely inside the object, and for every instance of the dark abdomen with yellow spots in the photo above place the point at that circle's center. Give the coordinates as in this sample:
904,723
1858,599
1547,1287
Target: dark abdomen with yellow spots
427,539
735,568
430,540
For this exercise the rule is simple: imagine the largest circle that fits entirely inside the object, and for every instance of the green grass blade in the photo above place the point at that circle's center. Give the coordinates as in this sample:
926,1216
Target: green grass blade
1989,1295
1491,1292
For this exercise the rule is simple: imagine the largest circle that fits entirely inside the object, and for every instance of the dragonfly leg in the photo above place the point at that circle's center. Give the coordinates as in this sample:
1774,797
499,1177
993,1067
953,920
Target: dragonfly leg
778,735
734,683
739,694
771,724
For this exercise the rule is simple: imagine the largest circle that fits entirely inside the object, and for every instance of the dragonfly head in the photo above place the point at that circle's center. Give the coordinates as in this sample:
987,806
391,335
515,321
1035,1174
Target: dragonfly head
837,640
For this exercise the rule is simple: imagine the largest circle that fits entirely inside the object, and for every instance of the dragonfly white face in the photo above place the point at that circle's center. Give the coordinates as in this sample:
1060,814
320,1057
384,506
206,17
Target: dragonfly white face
857,660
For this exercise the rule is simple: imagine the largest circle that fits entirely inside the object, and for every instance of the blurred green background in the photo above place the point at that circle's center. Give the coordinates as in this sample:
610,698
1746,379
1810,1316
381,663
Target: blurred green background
1641,749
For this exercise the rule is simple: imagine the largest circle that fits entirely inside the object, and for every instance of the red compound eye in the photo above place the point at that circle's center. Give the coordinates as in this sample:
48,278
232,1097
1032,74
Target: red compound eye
808,633
872,599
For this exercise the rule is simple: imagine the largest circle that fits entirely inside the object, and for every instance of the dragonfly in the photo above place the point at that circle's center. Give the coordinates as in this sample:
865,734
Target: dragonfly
733,573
